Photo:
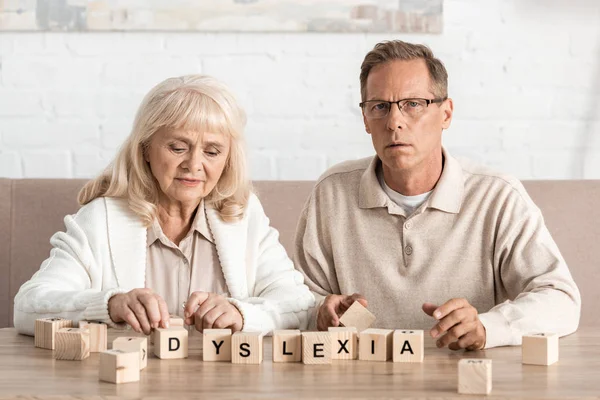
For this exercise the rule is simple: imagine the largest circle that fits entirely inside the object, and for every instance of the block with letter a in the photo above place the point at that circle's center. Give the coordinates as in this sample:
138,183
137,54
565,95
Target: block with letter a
247,348
316,347
216,345
171,343
344,343
287,345
408,346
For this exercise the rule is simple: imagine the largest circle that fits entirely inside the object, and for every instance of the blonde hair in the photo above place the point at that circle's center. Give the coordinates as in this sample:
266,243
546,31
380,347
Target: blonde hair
192,102
399,50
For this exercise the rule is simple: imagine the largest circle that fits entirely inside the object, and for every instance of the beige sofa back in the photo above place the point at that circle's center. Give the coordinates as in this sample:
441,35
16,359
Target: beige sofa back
32,210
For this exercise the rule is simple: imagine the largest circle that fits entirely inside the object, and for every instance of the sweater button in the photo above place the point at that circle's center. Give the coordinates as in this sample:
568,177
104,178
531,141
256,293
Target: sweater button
408,225
408,250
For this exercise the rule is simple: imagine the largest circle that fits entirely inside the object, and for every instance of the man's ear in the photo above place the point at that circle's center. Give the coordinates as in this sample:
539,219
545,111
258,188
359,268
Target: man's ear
366,122
448,111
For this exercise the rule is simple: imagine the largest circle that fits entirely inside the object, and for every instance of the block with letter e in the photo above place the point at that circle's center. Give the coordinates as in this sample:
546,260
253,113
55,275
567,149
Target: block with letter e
287,345
171,343
247,348
216,345
316,347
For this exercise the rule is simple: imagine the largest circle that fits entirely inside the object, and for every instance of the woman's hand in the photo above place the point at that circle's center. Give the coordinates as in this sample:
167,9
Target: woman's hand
142,309
212,311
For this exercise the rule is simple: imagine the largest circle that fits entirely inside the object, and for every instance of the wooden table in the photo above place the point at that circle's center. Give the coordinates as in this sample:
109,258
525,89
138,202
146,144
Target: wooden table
29,371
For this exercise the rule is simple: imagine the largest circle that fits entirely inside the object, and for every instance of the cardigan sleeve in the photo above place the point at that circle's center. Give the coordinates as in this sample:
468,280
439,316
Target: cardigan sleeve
68,282
280,300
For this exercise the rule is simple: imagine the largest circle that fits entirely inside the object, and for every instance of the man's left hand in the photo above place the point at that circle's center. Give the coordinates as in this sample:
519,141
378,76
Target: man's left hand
458,325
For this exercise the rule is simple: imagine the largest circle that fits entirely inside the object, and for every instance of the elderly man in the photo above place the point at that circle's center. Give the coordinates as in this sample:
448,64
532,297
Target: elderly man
416,234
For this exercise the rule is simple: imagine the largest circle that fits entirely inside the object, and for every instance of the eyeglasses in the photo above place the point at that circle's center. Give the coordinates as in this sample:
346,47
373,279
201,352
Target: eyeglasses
411,108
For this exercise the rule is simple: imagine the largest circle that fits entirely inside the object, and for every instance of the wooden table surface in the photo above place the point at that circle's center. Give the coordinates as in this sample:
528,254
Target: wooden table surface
32,372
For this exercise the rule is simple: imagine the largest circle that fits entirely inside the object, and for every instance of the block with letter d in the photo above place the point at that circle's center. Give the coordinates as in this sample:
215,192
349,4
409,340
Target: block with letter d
287,345
216,345
247,348
171,343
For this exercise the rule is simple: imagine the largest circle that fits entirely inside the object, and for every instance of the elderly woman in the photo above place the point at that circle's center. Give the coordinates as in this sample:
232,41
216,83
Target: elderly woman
171,222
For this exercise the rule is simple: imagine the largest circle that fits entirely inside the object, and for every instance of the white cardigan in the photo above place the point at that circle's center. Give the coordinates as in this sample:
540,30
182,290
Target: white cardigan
103,252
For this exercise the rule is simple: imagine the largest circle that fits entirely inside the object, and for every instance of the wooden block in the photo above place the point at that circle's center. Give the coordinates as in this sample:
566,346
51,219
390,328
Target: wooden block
247,348
133,344
171,343
540,349
72,344
98,335
475,376
287,345
45,329
174,322
216,345
316,348
375,344
344,343
357,316
408,346
118,366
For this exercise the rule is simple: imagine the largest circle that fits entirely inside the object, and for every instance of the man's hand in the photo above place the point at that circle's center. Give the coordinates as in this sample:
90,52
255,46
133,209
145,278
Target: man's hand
142,309
212,311
458,325
333,307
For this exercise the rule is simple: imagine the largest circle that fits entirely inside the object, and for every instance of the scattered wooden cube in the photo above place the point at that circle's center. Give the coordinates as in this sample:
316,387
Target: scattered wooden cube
287,345
475,376
316,347
540,349
247,348
408,346
375,344
98,335
72,344
118,366
171,343
133,344
344,343
357,316
45,329
216,345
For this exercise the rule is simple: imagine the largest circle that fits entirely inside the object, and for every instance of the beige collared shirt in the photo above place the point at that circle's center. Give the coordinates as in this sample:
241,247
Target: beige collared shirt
478,236
174,272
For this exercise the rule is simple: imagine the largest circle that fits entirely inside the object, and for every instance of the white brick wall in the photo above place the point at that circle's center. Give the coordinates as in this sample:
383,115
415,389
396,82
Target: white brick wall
525,77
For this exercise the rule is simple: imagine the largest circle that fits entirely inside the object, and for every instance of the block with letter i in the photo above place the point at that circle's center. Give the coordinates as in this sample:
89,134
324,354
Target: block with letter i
72,344
133,344
98,335
375,344
475,376
344,343
357,316
540,349
247,348
287,345
216,345
118,366
408,346
316,348
45,330
171,343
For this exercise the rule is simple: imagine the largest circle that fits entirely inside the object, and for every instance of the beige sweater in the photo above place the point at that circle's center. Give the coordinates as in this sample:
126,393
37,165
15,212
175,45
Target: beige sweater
478,236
